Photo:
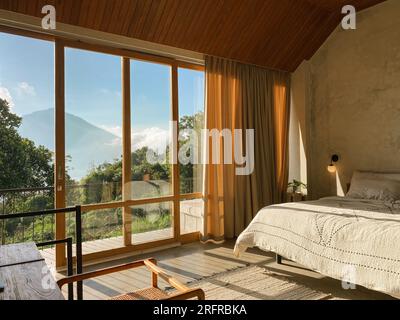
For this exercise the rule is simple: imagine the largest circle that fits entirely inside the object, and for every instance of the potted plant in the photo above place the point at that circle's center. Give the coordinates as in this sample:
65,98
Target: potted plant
296,186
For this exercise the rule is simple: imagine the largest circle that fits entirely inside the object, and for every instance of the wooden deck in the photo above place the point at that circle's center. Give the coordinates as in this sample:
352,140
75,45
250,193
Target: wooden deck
196,261
112,243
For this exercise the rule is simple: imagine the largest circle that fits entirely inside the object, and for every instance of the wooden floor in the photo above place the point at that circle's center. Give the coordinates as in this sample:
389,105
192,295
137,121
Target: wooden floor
196,261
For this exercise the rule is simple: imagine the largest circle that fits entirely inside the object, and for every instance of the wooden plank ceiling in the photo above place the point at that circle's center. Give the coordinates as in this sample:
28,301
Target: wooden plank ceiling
277,34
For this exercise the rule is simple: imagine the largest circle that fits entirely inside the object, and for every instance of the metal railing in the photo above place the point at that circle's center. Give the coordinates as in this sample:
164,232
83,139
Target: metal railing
68,241
43,228
9,198
24,200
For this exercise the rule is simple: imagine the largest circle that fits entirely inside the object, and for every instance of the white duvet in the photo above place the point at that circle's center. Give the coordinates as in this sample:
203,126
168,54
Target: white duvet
354,240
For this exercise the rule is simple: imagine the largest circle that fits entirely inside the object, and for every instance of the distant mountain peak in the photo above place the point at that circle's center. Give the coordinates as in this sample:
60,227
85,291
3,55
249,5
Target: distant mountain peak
86,144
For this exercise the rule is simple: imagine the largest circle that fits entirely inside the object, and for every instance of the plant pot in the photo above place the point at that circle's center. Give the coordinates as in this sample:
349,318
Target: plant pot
297,196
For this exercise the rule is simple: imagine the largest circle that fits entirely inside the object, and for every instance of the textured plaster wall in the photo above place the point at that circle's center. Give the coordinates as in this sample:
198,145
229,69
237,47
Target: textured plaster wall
352,94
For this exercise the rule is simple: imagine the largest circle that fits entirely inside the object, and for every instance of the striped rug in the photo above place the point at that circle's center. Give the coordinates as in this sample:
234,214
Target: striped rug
255,283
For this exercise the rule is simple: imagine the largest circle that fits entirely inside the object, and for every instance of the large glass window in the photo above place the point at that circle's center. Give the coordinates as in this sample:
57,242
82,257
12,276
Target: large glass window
93,121
94,144
151,117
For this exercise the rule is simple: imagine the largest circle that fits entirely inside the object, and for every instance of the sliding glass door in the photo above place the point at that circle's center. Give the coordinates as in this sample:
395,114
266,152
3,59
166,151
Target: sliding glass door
122,147
151,146
99,127
93,143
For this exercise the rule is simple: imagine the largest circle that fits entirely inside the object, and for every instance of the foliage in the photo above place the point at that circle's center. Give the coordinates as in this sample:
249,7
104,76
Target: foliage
296,185
195,122
186,171
102,182
141,167
142,224
22,163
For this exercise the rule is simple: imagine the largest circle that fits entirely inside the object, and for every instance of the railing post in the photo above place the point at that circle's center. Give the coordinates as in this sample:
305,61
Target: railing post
70,269
78,235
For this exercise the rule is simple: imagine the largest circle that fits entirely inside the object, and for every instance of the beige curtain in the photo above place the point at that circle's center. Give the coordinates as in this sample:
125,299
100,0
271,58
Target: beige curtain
240,96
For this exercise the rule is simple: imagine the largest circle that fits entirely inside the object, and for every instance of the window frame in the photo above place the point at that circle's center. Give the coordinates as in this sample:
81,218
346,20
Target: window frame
59,182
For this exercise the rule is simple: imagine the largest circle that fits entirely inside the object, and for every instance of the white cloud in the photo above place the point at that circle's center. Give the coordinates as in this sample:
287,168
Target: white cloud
5,95
154,138
25,88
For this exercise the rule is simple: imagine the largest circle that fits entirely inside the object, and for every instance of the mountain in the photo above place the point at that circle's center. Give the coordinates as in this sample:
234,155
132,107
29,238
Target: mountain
86,144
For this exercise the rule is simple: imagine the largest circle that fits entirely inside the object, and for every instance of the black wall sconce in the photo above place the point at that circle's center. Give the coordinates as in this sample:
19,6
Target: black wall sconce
332,167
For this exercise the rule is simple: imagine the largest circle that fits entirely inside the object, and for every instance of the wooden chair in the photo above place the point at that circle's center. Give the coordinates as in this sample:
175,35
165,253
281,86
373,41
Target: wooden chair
152,293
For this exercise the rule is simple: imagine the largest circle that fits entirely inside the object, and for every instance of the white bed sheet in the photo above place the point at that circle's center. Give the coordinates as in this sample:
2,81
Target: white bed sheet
347,239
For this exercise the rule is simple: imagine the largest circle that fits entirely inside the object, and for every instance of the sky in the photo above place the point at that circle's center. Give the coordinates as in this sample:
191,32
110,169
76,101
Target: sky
93,87
26,73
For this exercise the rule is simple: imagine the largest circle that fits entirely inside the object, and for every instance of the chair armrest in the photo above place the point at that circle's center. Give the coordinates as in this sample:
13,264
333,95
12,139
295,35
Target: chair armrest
102,272
161,273
191,293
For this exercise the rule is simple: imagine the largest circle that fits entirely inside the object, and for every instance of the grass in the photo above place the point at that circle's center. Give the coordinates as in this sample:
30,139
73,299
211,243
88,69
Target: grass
140,225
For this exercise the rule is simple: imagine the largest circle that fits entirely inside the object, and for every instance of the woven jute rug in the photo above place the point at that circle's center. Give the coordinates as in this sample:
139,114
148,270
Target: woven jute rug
255,283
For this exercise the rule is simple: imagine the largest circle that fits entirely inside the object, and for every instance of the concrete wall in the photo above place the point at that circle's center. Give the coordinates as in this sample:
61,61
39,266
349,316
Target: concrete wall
352,101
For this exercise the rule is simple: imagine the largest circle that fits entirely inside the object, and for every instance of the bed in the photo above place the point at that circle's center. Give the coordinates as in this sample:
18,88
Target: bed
353,239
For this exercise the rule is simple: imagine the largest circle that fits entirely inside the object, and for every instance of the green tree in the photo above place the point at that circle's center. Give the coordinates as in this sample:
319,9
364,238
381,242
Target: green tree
141,167
196,123
103,183
22,163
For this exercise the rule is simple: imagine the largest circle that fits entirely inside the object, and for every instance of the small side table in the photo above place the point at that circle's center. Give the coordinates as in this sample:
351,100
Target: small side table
296,197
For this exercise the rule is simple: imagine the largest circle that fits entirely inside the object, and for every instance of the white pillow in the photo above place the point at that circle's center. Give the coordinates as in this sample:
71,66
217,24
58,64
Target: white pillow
375,175
376,186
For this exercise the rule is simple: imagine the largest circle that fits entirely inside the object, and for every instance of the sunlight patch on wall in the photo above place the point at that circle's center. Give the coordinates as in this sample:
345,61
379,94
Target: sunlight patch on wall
339,186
